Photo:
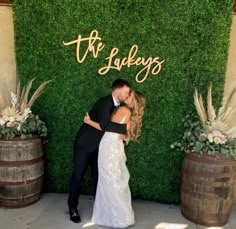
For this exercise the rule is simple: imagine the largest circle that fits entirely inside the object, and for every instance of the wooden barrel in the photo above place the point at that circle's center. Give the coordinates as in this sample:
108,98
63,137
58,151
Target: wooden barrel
207,188
21,171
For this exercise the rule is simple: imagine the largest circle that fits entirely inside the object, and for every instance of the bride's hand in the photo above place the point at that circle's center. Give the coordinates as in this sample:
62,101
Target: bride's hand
86,118
123,137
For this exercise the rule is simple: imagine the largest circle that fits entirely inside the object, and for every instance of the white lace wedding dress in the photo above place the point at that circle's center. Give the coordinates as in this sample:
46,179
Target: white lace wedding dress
112,207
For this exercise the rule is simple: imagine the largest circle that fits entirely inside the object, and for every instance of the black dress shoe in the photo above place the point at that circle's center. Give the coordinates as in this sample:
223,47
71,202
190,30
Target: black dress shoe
74,215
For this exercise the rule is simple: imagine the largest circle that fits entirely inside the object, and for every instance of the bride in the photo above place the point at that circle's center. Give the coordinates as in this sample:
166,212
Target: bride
112,205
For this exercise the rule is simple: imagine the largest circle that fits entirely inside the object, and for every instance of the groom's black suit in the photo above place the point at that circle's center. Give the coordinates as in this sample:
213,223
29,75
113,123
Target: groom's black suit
86,146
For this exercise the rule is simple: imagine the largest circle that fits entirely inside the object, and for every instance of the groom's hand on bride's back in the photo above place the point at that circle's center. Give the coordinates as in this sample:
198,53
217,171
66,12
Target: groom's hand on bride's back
123,137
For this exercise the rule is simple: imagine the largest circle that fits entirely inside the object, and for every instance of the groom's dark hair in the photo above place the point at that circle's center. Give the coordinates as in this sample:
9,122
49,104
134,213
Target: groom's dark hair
119,83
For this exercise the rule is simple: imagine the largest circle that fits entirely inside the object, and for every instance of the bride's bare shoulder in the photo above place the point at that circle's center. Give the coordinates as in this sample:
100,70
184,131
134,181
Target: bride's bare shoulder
124,110
120,113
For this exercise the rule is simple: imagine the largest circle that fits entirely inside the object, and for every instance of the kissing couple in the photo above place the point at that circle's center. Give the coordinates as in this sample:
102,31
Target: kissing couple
99,143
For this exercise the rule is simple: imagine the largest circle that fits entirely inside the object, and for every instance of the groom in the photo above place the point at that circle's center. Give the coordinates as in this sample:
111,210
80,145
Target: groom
88,139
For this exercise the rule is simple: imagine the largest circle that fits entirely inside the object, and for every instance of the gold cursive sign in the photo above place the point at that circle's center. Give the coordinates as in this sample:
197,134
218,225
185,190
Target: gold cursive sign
94,45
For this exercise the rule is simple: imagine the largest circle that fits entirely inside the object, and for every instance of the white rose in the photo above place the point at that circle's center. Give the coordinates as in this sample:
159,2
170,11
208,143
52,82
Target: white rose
2,122
18,127
11,119
210,138
216,133
10,124
217,140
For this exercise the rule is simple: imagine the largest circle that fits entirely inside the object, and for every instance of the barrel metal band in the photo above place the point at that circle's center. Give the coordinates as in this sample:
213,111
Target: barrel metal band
20,163
21,182
205,174
205,160
20,198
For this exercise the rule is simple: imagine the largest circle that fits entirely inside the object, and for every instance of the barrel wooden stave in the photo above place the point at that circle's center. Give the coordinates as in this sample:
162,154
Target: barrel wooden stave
21,174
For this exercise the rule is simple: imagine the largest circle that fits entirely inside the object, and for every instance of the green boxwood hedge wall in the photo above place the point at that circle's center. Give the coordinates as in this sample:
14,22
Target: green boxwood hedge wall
192,37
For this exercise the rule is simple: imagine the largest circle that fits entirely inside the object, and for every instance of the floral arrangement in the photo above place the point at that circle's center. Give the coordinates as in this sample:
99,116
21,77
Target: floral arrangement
16,118
209,133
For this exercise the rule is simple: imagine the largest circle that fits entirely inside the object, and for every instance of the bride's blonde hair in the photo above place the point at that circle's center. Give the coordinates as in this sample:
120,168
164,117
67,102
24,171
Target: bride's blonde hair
137,112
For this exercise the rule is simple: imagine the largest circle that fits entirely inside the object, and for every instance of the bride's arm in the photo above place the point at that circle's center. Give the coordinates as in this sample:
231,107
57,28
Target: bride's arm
117,117
90,122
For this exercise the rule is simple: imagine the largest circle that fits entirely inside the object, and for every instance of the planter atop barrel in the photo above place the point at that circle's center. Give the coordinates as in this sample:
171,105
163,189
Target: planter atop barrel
209,167
21,154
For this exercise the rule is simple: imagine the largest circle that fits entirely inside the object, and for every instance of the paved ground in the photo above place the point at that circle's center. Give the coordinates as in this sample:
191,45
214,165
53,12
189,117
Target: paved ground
51,213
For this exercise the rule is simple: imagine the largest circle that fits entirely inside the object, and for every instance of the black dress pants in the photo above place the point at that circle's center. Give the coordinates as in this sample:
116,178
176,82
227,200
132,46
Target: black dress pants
82,159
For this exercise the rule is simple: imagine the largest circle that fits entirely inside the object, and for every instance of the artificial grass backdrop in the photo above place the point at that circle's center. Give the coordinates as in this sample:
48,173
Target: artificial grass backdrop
191,36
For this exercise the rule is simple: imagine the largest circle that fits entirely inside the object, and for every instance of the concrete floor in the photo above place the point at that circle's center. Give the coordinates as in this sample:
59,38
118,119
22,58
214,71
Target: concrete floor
51,213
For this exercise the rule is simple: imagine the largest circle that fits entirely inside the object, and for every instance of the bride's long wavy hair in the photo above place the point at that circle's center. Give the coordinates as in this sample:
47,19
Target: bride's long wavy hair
137,112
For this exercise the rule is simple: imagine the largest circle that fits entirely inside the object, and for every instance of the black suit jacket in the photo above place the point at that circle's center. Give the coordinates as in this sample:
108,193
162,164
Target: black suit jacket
89,137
